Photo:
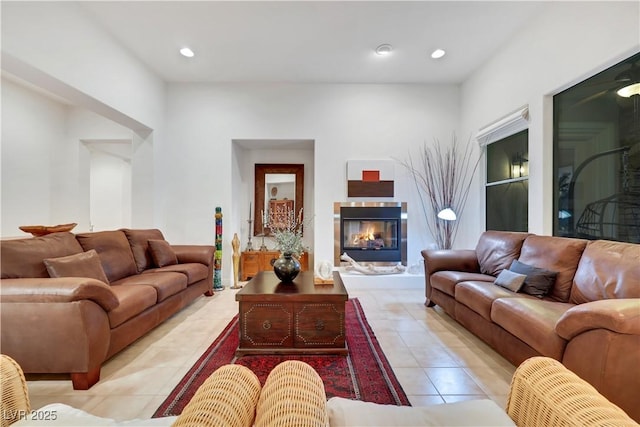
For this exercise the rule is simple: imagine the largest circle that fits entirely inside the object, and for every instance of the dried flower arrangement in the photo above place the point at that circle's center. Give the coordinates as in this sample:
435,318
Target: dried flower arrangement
286,229
443,176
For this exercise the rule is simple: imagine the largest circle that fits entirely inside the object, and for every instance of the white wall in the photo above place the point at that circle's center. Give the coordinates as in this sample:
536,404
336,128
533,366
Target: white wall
56,46
60,39
74,164
45,166
32,127
568,43
344,121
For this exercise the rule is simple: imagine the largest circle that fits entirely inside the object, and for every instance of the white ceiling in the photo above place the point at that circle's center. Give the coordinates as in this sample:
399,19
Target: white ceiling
313,41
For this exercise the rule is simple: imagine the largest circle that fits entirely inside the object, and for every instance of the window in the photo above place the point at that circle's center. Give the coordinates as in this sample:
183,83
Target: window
597,156
507,185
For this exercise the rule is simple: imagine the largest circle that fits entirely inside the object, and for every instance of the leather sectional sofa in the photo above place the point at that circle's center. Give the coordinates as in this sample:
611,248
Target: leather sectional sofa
589,319
68,302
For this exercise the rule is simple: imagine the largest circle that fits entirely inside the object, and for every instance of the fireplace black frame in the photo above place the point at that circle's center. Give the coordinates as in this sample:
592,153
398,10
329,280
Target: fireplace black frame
371,211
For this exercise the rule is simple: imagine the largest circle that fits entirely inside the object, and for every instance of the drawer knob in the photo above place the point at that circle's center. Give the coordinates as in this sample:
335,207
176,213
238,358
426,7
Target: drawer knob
266,324
319,325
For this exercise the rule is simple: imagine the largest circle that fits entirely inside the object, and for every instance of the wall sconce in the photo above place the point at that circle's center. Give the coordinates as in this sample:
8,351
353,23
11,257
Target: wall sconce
519,166
629,90
630,79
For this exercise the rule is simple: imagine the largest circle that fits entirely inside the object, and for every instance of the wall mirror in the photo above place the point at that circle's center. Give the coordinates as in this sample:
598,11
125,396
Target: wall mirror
277,186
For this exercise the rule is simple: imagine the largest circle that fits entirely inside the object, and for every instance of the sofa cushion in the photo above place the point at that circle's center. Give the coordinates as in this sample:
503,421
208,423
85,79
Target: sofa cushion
496,250
537,281
445,281
21,258
510,280
166,283
480,412
84,264
114,250
138,240
162,253
133,300
194,271
607,270
533,321
479,296
559,254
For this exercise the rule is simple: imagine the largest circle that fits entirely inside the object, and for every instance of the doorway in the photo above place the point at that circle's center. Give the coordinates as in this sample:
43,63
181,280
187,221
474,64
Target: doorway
109,183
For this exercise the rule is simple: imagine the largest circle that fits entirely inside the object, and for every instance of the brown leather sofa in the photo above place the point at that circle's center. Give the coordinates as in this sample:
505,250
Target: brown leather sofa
64,309
589,320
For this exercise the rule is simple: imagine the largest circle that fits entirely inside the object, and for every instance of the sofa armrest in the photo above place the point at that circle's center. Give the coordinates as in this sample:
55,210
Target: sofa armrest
436,260
545,393
617,315
57,290
450,259
202,254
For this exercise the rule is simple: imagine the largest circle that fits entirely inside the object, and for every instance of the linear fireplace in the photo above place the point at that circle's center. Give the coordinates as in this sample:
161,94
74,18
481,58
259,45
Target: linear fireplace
374,232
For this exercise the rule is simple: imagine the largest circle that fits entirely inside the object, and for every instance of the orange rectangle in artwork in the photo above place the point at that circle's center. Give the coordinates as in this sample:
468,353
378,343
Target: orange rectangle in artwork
370,176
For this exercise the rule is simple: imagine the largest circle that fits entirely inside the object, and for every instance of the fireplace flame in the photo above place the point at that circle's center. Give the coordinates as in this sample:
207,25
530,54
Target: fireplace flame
367,236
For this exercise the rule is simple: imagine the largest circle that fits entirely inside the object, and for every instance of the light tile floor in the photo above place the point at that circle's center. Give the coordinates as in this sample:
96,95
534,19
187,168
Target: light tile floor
435,359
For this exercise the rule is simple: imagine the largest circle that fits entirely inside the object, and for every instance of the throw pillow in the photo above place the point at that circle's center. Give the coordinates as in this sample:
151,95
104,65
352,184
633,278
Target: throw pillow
510,280
162,253
83,264
538,282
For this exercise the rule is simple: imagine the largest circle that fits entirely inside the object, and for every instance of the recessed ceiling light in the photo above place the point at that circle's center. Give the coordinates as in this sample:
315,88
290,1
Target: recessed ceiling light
438,53
185,51
384,49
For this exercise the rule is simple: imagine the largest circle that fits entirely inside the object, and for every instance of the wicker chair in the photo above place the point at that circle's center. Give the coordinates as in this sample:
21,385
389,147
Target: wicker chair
545,393
15,396
293,395
227,398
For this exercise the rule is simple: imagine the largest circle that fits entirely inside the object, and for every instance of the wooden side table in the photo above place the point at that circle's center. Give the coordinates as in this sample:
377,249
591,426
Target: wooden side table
252,262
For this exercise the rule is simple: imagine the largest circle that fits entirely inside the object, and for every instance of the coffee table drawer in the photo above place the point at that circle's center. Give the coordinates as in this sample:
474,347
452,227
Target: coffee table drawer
319,325
266,325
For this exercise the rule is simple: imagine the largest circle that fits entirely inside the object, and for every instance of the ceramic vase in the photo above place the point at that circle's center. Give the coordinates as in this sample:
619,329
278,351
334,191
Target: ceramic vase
286,267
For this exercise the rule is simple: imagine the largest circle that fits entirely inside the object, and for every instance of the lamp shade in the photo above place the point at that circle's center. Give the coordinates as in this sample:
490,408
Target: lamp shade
447,214
629,90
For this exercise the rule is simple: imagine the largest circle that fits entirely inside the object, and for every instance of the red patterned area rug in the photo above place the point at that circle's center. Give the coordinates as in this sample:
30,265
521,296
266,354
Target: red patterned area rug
364,374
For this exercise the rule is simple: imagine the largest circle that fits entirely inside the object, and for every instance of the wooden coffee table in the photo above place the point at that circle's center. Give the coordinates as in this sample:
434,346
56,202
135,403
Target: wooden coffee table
294,318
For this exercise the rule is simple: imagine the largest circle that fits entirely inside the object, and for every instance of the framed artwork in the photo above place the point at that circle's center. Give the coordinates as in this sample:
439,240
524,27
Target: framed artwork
370,178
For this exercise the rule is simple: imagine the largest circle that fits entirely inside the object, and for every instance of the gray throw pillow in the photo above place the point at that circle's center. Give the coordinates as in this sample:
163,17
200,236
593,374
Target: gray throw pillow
510,280
538,282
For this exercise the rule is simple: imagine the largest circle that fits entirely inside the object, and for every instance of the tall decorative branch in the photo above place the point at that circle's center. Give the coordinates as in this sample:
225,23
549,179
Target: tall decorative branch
443,177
